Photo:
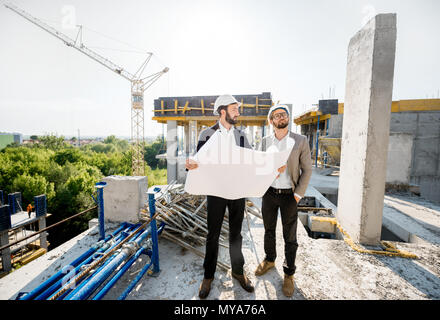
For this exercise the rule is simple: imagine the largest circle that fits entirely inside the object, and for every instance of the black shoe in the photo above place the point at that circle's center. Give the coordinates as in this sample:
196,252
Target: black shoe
205,288
244,282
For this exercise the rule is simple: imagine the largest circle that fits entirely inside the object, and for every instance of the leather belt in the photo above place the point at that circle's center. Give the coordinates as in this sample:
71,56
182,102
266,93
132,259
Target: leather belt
281,191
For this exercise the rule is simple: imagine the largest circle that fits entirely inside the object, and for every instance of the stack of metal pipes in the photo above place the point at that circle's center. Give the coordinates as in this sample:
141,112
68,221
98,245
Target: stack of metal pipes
185,218
185,215
96,271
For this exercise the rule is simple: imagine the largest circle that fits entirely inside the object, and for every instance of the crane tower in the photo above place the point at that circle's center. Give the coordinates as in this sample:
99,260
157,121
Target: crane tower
138,85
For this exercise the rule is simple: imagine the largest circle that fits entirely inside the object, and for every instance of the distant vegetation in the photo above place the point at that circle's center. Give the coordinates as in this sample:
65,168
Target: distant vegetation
67,175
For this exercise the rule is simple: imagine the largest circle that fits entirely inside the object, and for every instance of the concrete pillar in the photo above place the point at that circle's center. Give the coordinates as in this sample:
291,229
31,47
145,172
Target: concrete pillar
124,197
193,136
43,235
186,139
6,253
365,131
289,106
171,150
251,136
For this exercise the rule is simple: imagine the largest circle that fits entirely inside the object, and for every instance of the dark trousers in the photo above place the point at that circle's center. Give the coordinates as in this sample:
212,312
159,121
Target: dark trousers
216,213
289,217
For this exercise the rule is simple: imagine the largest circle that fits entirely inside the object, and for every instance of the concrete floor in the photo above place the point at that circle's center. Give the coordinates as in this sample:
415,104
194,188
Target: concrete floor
326,269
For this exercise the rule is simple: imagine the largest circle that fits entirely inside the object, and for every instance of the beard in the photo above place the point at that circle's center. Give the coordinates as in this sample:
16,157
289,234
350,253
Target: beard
281,125
229,119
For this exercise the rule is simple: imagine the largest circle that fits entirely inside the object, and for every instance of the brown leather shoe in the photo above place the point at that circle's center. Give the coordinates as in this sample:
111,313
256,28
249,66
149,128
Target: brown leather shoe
288,285
263,267
244,282
205,288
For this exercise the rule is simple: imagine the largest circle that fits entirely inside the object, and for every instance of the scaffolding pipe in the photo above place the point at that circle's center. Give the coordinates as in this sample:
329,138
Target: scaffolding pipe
117,236
42,287
100,192
144,249
89,268
79,284
317,144
119,274
99,277
135,281
84,281
153,226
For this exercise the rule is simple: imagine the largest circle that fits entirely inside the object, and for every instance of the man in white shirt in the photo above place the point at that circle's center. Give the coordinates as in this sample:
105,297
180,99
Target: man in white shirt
284,194
226,107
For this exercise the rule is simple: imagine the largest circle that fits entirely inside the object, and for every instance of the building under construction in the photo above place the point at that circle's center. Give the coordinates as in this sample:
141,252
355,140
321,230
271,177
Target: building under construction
355,240
413,149
195,113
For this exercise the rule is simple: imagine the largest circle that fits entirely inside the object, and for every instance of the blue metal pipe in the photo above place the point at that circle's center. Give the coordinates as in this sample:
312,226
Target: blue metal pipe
153,227
141,274
100,191
57,286
84,291
100,276
124,234
83,282
121,235
38,290
118,275
126,266
135,281
42,287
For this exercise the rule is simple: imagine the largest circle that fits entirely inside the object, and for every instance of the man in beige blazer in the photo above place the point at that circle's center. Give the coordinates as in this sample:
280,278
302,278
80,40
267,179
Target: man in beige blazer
284,194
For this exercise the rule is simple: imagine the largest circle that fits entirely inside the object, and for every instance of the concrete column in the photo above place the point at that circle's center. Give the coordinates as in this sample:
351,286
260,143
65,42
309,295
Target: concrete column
289,106
193,136
171,150
43,235
6,253
251,135
366,127
186,139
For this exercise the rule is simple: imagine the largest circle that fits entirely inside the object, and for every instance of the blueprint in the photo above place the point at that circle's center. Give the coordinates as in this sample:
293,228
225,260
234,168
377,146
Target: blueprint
231,172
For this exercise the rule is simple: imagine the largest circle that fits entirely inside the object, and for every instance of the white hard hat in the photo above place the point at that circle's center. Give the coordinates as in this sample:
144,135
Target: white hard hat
224,100
276,107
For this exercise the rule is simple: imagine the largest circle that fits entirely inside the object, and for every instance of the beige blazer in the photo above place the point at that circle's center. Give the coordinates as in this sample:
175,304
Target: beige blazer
299,162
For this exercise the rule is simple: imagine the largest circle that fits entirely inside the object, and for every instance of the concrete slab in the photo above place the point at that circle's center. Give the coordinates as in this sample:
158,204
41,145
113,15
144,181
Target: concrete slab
326,269
411,219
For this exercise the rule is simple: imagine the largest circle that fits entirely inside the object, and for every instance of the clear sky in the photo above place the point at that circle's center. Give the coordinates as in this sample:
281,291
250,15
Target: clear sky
295,49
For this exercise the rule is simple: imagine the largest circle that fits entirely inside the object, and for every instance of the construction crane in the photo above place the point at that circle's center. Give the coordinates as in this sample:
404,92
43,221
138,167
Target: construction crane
138,85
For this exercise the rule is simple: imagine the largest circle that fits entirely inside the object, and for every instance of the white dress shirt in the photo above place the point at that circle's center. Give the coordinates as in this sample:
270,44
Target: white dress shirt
225,131
283,181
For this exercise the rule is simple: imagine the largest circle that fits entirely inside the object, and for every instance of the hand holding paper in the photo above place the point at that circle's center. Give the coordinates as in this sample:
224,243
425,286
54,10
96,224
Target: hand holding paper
231,172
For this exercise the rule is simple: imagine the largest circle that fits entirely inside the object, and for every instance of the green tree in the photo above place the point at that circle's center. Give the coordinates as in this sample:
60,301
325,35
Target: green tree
31,186
52,142
150,153
72,155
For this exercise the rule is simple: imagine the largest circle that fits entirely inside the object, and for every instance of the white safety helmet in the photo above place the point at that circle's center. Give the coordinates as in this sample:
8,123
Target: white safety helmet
224,100
276,107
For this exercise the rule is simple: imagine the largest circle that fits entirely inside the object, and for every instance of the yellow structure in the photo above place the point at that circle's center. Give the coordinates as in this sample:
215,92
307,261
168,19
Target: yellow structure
316,123
396,106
